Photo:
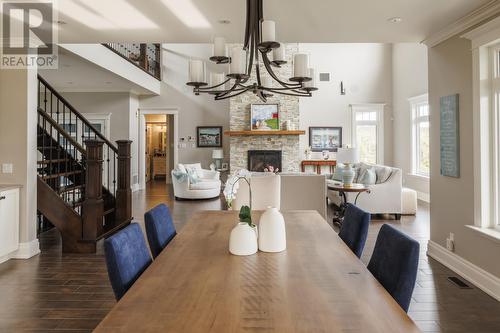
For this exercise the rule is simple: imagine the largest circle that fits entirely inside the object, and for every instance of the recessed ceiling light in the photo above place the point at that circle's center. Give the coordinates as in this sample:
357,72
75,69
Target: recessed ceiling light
70,82
60,22
395,20
224,21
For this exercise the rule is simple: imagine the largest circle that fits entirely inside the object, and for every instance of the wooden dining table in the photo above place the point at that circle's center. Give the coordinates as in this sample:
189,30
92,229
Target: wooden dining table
316,285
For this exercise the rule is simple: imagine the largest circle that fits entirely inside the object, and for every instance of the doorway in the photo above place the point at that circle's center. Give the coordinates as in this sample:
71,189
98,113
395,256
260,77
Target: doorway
158,148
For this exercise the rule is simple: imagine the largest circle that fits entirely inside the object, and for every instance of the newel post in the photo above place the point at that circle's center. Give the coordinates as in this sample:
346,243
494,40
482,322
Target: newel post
123,191
93,206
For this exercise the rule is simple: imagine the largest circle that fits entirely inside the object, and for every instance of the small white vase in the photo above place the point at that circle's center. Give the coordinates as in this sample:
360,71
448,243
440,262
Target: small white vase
243,240
272,233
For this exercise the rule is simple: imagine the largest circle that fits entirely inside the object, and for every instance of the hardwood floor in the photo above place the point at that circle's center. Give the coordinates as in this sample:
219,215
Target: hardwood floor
55,292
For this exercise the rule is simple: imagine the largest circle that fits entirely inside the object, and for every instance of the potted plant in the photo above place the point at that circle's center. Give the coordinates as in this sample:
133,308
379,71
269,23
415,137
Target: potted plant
243,238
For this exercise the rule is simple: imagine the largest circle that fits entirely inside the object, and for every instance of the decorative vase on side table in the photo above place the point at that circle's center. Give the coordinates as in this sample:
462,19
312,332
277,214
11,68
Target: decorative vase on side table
347,156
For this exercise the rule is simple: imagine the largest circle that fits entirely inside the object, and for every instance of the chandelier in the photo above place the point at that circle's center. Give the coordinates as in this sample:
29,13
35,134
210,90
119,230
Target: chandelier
259,44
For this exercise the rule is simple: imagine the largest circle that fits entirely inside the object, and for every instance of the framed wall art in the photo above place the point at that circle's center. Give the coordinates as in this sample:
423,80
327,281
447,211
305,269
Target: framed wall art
325,138
209,136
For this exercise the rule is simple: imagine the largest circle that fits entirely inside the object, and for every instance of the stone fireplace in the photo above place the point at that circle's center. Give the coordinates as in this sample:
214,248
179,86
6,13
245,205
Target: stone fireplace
239,111
258,160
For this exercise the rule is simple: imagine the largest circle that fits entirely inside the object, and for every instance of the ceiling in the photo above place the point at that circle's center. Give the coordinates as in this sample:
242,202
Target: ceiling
75,74
195,21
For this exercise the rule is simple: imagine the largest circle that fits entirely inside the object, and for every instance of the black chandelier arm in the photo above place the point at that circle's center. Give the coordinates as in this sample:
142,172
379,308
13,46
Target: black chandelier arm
267,64
225,96
295,93
247,25
213,87
232,89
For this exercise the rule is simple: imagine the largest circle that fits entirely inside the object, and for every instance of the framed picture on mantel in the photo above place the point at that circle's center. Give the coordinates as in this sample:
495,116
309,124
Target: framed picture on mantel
325,138
264,117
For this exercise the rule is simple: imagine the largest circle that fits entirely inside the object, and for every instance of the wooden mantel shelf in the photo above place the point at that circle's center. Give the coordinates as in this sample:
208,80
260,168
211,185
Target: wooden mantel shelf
246,133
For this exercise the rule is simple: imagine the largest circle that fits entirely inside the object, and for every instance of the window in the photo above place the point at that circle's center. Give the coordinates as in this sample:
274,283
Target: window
420,135
368,132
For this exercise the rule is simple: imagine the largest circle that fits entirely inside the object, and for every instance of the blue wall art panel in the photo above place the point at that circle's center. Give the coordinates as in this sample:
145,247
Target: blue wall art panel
449,136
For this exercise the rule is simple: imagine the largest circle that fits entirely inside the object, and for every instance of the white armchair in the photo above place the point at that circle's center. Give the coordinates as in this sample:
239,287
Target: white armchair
207,185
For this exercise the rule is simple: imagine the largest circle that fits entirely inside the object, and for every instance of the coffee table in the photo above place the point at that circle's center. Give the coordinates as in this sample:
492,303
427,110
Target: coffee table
339,187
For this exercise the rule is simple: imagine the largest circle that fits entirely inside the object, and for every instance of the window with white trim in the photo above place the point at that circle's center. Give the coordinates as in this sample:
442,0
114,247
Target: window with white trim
495,133
420,135
368,131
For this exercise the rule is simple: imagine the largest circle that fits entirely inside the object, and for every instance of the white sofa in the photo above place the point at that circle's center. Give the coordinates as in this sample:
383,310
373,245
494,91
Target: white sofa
207,185
384,198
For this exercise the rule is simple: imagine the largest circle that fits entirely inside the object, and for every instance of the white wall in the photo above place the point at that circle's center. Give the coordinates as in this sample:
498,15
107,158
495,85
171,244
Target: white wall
18,142
365,69
124,124
193,110
452,199
410,79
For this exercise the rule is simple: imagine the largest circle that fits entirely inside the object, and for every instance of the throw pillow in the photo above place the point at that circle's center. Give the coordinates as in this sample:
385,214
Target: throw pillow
383,173
368,177
193,176
360,170
182,168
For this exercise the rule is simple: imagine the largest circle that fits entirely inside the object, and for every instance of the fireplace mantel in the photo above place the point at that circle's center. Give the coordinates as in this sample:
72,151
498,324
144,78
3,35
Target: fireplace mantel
248,133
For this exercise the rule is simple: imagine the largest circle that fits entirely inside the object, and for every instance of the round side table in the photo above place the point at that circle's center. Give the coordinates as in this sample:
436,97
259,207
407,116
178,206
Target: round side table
339,187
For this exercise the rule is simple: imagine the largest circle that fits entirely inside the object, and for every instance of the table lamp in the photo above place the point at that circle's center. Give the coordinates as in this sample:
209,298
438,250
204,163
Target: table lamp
218,156
347,156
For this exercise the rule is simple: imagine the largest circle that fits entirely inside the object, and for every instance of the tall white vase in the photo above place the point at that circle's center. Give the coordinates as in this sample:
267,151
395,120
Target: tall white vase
243,240
272,233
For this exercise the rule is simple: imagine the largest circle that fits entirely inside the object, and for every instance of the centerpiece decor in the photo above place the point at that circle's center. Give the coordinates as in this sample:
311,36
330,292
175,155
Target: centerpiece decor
259,48
243,237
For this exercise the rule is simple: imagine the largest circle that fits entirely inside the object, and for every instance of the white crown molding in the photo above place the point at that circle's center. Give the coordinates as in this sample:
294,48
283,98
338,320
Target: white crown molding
484,35
475,17
482,279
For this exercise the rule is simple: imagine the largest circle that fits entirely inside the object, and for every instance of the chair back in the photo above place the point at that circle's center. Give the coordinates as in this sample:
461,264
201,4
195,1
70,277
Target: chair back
354,229
394,264
160,228
127,257
266,192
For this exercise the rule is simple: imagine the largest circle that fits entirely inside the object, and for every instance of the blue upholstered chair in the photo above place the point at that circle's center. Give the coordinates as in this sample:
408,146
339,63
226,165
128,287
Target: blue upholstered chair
160,228
127,257
394,264
354,228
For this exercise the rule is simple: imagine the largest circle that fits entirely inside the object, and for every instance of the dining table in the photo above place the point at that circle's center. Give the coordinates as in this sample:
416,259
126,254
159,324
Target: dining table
316,285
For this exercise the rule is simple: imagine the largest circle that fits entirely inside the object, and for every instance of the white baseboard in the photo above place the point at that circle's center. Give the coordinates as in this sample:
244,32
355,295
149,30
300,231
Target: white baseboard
27,250
482,279
424,196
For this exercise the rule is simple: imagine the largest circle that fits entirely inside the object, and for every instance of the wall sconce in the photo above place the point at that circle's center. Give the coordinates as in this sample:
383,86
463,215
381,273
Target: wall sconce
342,88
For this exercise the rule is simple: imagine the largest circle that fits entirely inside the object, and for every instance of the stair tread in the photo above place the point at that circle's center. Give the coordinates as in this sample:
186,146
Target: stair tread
109,211
61,174
70,188
55,160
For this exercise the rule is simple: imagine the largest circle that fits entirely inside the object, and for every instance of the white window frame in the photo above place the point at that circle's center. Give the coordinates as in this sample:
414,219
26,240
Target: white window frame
415,103
379,109
485,40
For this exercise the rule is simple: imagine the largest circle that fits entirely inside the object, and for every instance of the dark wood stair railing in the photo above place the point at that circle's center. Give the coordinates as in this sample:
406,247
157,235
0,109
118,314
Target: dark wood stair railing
89,174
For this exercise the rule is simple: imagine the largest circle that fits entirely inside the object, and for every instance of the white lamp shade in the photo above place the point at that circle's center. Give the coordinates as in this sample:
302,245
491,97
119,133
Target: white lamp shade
220,47
268,31
301,65
238,61
347,155
217,154
279,53
196,71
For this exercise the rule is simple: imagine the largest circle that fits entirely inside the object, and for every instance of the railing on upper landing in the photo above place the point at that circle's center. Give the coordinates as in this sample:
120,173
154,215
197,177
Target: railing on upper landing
145,56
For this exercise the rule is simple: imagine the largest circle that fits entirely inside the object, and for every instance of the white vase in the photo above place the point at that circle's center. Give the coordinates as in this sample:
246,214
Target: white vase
243,240
272,234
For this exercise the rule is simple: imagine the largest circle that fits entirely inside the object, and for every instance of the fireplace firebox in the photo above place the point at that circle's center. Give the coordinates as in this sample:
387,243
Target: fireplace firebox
258,160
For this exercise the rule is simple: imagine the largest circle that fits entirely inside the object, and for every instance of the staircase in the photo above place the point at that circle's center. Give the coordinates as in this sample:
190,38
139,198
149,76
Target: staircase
83,179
